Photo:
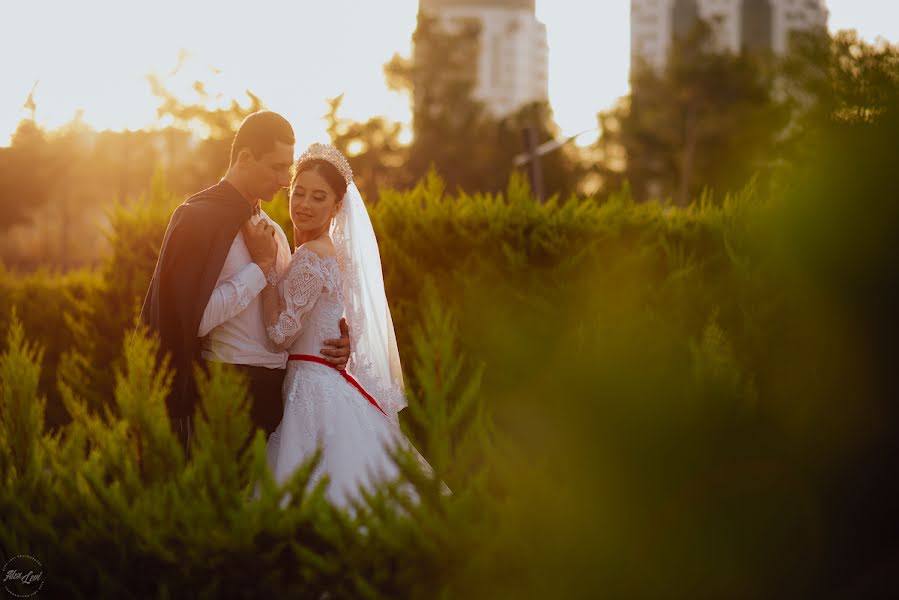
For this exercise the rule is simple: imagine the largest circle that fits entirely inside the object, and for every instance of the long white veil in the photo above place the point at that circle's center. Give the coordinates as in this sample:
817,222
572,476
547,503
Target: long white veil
375,359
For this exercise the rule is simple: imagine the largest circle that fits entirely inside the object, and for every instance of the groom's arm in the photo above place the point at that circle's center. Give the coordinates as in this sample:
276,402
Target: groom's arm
338,351
234,295
231,296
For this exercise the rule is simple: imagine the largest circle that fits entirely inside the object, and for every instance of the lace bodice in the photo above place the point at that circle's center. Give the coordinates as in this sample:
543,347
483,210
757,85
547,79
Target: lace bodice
313,303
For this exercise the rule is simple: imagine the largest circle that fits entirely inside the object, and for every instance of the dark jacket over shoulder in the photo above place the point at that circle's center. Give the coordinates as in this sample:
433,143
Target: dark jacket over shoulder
196,243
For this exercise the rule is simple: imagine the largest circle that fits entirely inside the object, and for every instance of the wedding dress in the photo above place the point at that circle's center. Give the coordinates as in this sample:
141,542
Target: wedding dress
352,414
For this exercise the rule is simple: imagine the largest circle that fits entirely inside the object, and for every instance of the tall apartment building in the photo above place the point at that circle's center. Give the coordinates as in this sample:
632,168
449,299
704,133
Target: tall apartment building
512,62
738,24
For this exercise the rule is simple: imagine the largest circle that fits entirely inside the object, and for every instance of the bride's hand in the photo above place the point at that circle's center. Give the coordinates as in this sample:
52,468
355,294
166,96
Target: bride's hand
260,241
339,352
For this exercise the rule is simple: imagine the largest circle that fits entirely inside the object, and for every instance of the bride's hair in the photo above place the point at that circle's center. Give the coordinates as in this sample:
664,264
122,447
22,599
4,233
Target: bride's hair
328,171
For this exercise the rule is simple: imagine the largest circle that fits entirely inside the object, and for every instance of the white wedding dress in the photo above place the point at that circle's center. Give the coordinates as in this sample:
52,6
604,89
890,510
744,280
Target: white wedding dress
320,406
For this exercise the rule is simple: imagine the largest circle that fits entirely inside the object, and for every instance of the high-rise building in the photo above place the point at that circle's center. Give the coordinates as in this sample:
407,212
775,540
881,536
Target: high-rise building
737,24
512,63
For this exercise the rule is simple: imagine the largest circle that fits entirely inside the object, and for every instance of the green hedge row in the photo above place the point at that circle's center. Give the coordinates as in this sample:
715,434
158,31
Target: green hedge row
629,400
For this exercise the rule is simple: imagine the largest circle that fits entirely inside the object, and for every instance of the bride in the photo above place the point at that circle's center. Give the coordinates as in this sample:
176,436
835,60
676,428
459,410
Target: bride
335,270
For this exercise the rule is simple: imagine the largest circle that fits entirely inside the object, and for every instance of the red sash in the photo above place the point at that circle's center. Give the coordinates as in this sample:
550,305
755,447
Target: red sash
347,376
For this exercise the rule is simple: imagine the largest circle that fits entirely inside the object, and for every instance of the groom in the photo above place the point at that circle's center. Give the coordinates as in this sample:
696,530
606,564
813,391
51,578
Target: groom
219,252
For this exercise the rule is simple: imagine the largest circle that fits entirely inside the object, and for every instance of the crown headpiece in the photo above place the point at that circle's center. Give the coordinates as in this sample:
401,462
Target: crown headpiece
331,155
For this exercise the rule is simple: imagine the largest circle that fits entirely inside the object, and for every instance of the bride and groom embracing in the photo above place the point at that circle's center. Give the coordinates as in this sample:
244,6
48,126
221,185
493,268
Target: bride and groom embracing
228,289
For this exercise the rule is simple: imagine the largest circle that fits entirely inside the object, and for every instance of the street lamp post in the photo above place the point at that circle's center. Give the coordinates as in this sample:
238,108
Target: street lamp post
535,171
533,152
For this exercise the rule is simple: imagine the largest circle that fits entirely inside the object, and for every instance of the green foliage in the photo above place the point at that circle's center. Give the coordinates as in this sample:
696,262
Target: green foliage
839,79
23,408
104,317
609,390
44,302
112,508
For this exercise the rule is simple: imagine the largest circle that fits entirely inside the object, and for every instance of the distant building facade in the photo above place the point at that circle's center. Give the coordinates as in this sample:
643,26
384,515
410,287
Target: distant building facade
738,24
512,63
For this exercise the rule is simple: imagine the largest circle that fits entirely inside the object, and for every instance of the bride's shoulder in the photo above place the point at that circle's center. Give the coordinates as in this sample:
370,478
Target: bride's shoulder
320,247
317,257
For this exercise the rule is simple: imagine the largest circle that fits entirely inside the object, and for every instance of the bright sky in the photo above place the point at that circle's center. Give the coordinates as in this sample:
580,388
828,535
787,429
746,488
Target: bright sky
93,55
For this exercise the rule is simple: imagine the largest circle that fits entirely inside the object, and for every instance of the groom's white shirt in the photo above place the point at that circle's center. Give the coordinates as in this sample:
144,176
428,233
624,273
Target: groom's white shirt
232,327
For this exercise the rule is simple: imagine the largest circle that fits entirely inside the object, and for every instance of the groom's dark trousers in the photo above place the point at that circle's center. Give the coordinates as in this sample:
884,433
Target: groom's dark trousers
266,405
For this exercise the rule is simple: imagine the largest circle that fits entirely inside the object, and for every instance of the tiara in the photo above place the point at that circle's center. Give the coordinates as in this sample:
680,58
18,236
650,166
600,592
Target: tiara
331,155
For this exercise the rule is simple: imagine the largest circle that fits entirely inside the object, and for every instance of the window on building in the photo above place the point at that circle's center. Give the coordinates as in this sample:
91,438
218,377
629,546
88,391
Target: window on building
684,16
496,55
758,24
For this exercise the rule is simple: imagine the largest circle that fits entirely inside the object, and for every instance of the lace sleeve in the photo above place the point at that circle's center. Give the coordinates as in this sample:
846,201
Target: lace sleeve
301,287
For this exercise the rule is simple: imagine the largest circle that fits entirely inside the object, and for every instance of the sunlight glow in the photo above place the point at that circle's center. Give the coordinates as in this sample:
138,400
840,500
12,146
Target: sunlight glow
355,148
96,55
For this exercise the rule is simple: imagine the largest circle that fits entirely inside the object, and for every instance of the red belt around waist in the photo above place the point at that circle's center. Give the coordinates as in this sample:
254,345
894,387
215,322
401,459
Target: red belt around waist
347,376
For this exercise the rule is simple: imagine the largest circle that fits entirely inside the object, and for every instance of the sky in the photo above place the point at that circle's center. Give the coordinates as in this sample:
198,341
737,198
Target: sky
93,56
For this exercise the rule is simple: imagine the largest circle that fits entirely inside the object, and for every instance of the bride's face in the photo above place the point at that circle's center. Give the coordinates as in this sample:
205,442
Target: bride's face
312,202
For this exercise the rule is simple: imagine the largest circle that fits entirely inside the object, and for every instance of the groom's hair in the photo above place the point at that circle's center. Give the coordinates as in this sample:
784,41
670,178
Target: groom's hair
259,132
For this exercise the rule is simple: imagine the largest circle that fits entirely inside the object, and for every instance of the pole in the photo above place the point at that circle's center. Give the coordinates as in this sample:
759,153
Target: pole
534,168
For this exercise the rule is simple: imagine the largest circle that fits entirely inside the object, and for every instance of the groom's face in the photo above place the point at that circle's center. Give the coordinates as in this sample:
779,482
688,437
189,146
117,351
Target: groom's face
270,172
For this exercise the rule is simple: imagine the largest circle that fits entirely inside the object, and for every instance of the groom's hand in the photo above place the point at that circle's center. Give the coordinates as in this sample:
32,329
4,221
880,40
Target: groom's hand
339,352
261,243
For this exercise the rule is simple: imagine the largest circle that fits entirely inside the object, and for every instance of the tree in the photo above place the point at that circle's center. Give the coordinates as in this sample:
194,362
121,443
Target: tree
710,119
374,150
839,79
448,124
26,169
209,159
452,130
56,186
